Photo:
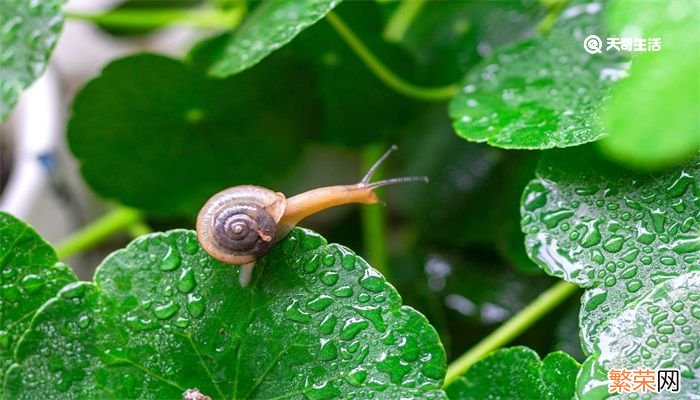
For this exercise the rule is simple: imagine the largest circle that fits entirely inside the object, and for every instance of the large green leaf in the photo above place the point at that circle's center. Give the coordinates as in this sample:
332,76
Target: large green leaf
163,317
30,274
270,26
28,32
542,92
660,331
653,117
517,373
156,134
613,232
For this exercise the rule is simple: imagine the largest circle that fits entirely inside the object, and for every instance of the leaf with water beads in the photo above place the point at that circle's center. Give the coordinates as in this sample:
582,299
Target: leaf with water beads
273,24
517,373
30,274
614,232
28,32
660,331
163,317
541,92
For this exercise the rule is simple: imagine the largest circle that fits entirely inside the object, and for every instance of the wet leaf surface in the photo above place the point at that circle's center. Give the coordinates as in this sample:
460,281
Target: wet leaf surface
30,274
541,92
517,373
163,317
135,118
29,31
660,331
270,26
614,232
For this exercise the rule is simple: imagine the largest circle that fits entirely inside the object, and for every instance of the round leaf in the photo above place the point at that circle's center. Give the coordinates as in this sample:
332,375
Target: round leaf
163,317
517,373
270,26
28,32
542,92
30,274
155,134
660,331
614,232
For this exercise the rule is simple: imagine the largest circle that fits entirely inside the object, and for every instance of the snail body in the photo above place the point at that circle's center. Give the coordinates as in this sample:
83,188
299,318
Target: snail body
239,225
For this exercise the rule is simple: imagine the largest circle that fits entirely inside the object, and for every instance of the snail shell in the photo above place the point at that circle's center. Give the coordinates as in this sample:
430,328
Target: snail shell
239,225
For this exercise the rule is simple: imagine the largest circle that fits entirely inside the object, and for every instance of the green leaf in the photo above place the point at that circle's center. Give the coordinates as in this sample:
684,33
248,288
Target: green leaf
660,331
182,137
542,92
517,373
28,32
163,317
653,117
614,232
269,27
29,275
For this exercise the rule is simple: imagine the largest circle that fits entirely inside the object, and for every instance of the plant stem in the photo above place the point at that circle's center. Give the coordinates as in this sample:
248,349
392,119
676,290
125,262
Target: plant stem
159,17
97,231
139,228
374,219
401,19
384,74
555,7
543,304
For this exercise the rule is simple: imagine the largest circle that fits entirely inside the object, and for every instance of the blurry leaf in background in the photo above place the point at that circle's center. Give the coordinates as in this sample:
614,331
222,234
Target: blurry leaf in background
448,37
270,26
31,274
611,231
358,109
474,191
127,9
661,330
654,115
466,293
161,317
28,32
156,134
517,373
541,92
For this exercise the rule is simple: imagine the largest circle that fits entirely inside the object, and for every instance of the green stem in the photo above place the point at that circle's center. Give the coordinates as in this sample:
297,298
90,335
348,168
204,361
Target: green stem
374,232
401,19
89,236
555,8
384,74
543,304
159,17
139,229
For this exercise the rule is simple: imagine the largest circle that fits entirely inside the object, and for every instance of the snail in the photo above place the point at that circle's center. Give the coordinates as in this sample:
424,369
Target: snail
239,225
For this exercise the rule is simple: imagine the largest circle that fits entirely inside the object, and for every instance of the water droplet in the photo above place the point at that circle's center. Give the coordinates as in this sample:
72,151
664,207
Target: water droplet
312,240
295,313
535,196
374,315
313,263
4,340
328,350
328,324
182,322
31,283
687,245
186,282
592,236
347,258
343,291
170,261
634,285
357,376
165,311
191,245
652,342
630,255
680,185
320,303
665,329
352,328
658,218
614,244
83,321
685,347
329,278
329,260
630,272
667,260
552,218
195,305
373,281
